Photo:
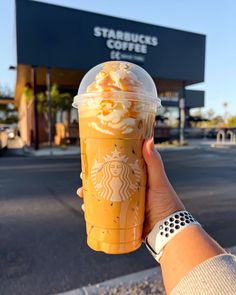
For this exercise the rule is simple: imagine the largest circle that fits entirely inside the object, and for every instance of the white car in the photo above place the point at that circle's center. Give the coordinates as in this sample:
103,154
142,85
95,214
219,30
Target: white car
10,130
10,133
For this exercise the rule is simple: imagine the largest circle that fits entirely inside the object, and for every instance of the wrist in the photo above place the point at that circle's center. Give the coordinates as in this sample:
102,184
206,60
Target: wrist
169,210
174,247
156,215
191,242
165,230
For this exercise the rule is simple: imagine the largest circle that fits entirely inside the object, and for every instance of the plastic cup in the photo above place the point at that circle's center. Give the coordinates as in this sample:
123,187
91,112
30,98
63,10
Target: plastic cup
117,104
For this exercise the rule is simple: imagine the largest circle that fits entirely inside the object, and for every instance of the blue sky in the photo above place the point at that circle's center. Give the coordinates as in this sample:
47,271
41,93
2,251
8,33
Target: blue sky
215,18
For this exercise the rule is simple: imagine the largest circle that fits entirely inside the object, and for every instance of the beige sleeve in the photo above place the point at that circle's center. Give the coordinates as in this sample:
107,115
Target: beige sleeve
215,276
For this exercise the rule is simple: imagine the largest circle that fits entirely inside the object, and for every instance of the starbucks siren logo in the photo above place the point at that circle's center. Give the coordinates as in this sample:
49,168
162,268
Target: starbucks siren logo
115,179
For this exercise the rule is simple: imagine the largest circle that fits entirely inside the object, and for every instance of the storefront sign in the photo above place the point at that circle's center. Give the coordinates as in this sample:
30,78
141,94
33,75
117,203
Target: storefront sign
125,45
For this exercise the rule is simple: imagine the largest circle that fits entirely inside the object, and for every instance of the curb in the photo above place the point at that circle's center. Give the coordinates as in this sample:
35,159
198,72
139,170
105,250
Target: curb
147,280
29,152
160,147
143,282
175,148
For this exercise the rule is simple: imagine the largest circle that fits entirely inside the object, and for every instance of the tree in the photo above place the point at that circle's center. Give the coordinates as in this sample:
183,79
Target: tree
225,104
231,122
210,114
28,94
6,91
64,105
218,121
60,102
43,101
8,110
196,113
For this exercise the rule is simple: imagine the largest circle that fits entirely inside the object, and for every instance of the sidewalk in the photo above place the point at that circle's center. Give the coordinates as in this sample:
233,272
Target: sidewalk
139,283
54,151
192,144
16,147
75,150
147,282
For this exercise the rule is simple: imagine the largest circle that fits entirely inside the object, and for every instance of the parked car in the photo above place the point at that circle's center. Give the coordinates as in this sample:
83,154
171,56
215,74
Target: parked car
11,133
10,130
211,133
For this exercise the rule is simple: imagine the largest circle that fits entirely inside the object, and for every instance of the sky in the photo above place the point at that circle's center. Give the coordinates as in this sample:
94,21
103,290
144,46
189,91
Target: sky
214,18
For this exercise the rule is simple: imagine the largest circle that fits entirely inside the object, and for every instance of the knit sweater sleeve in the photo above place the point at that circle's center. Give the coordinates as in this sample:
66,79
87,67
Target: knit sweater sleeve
215,276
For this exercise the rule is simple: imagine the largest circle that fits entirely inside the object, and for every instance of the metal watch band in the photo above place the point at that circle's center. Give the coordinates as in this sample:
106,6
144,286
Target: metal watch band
166,229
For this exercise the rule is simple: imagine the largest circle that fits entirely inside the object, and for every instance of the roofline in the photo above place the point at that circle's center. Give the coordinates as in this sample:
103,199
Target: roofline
127,19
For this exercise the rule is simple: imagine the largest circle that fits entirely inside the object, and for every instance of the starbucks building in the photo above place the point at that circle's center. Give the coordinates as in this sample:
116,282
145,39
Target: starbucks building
58,45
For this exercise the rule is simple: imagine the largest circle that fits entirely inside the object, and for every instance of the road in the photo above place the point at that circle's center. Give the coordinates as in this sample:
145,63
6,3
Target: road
42,232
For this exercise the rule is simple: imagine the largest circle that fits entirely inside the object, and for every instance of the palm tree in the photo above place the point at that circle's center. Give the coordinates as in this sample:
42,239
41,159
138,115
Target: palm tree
210,114
64,105
225,105
60,102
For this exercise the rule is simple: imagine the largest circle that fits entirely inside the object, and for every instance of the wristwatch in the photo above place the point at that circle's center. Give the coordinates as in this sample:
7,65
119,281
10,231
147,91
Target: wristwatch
165,230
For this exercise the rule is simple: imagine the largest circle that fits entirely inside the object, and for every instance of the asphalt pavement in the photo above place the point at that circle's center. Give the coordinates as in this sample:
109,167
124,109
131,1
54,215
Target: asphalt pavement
42,232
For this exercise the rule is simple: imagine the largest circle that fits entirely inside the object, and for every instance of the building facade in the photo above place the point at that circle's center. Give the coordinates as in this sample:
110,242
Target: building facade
58,45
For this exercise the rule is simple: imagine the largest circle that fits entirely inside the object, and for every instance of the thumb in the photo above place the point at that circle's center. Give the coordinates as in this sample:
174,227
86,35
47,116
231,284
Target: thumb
155,168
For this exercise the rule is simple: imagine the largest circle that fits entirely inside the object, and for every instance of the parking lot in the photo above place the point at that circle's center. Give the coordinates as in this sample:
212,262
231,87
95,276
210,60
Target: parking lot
43,243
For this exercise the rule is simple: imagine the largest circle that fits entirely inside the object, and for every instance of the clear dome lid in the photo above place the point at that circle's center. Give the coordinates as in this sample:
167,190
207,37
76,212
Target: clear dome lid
117,76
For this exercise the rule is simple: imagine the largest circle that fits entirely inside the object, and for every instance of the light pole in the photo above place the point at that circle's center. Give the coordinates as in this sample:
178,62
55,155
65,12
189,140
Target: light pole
49,102
36,123
182,115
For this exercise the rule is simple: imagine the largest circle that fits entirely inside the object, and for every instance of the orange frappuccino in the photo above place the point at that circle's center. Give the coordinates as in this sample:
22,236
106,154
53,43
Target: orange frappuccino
117,104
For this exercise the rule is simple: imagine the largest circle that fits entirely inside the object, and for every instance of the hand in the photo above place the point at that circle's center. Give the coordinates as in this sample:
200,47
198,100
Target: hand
161,199
80,192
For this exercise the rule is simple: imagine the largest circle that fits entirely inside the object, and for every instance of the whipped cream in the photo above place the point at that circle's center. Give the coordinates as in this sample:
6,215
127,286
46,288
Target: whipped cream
114,110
